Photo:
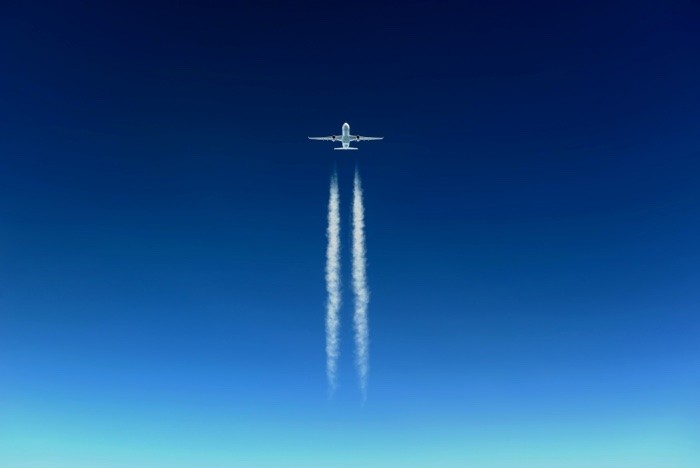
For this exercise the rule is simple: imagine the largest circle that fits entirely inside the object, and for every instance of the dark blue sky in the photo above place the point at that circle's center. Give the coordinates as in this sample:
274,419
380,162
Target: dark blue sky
533,233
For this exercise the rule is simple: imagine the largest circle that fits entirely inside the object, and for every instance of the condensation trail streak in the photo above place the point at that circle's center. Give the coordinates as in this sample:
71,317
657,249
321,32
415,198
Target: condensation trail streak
359,284
333,282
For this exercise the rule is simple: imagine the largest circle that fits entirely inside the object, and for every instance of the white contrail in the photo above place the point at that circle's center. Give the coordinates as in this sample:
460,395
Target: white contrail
332,282
359,284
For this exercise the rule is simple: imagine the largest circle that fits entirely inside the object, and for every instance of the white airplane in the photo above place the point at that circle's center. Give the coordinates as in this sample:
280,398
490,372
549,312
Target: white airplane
346,138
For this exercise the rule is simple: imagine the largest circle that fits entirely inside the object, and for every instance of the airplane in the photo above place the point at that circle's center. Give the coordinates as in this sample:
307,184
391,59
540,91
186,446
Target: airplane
346,138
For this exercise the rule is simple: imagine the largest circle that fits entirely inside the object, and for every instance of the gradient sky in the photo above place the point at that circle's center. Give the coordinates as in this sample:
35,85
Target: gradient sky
533,233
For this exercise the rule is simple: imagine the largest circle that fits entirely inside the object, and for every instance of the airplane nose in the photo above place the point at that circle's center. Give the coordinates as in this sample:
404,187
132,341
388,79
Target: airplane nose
346,125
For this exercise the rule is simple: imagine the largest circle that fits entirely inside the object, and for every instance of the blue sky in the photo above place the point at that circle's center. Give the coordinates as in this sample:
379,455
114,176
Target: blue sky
531,221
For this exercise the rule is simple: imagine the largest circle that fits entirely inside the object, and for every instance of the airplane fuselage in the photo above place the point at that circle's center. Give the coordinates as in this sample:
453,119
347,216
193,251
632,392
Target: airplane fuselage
345,136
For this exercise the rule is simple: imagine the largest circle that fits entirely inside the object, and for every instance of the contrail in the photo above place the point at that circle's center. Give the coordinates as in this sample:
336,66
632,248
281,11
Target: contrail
332,282
359,284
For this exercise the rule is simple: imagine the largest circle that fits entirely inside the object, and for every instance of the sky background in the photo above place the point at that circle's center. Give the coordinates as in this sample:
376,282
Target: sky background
532,224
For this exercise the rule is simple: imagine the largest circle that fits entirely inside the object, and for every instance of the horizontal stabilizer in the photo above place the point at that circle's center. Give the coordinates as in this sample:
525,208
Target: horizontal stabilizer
348,148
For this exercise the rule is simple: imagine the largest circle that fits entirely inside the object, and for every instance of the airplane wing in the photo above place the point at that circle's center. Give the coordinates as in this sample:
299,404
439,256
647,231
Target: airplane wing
328,138
364,138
